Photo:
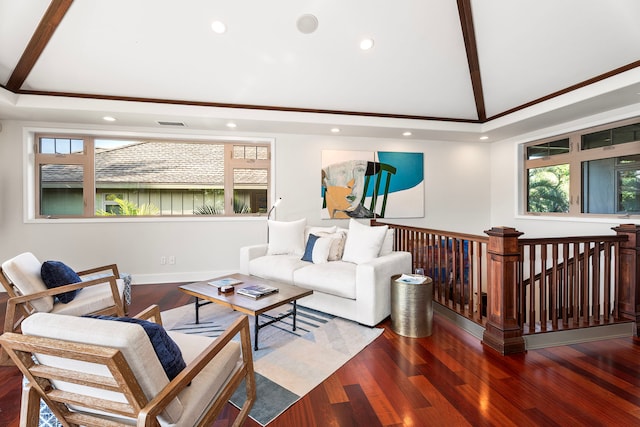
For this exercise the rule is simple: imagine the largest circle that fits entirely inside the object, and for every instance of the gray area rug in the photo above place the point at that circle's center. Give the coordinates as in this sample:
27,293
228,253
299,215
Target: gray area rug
288,364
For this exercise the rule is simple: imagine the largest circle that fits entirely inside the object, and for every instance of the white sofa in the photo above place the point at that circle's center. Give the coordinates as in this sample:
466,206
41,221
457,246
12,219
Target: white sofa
354,286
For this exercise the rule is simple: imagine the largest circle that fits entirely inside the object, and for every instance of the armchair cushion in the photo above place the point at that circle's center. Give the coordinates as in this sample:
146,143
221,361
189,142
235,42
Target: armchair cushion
55,274
166,349
24,271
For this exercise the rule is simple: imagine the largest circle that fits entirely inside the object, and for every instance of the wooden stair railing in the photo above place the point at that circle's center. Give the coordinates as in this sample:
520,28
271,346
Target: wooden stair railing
456,262
516,287
577,289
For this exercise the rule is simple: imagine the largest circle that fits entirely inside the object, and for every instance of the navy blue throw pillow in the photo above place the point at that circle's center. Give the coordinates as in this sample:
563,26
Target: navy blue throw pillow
55,274
308,251
166,349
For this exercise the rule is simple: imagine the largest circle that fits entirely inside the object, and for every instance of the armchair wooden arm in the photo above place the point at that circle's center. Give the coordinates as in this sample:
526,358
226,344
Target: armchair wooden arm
110,267
151,313
22,301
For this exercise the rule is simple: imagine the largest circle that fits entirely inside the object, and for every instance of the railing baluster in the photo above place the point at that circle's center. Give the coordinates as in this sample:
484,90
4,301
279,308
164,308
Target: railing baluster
595,281
533,284
554,286
607,281
543,288
565,285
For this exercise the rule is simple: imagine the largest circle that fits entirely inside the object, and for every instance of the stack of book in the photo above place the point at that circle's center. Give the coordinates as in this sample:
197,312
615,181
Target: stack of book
226,281
257,291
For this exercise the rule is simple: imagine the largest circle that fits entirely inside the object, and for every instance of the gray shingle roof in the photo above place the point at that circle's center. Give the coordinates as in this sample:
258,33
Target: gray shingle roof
158,163
162,163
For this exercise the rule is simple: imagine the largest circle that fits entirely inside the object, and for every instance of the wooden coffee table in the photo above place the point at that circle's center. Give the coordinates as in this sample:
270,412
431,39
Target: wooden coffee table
206,294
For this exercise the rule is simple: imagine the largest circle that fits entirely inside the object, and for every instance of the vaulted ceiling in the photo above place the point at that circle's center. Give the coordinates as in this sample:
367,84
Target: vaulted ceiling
465,67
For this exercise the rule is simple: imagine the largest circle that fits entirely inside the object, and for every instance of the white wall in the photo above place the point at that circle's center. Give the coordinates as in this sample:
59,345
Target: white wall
457,197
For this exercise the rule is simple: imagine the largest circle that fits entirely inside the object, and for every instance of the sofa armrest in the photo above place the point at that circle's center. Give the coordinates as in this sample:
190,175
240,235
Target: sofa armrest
247,253
373,284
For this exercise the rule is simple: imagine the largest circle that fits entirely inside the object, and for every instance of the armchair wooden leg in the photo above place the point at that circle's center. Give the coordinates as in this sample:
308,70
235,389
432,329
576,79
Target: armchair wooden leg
30,407
5,360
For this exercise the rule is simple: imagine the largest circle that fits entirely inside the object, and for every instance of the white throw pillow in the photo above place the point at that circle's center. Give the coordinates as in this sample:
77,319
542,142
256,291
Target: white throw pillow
337,244
387,243
363,242
286,237
321,250
317,231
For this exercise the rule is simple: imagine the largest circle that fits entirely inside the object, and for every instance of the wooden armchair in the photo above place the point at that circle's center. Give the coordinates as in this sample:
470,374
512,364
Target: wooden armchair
99,372
20,277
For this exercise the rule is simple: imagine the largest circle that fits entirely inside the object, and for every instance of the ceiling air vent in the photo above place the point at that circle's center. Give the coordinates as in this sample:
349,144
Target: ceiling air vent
163,123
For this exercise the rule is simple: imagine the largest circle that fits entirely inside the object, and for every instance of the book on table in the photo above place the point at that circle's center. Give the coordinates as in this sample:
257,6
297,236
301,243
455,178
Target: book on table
257,291
225,281
411,279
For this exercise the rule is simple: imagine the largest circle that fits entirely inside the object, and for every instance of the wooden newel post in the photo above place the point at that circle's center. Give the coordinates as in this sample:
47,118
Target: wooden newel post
628,299
503,332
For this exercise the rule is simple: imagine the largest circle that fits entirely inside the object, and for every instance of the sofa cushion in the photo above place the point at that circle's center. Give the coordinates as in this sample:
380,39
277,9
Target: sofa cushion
24,272
363,242
276,267
286,237
166,349
55,274
334,278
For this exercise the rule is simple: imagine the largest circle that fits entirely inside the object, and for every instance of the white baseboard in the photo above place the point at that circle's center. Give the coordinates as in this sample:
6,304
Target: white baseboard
190,276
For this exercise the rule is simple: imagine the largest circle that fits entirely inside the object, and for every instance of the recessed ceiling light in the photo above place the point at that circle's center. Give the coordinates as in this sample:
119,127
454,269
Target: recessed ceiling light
307,24
218,27
231,125
168,123
335,130
109,119
407,133
366,44
484,137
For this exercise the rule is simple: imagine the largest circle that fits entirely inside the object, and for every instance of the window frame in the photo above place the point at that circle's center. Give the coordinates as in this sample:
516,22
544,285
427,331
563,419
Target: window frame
574,158
33,160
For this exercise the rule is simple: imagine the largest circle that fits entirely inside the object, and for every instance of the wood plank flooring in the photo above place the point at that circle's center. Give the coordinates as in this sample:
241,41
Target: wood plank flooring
448,379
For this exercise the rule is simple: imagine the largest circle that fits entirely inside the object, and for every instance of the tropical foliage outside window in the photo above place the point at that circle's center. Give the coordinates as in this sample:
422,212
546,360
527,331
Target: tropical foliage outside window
92,176
594,171
549,189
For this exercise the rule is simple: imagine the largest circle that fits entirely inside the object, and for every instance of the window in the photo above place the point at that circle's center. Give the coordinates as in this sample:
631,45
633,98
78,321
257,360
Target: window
92,176
595,171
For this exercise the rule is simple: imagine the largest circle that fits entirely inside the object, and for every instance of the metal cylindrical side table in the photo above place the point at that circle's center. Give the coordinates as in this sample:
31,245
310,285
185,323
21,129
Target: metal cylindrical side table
411,307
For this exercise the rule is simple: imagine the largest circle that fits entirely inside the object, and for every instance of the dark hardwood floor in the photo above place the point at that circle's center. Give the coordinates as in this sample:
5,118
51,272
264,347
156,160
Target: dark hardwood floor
448,379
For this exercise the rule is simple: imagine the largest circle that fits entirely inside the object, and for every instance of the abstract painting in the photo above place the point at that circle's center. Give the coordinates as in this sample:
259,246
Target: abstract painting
372,184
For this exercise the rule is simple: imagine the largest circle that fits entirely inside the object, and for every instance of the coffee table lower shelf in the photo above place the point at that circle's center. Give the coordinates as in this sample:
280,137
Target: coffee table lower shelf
206,294
257,325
